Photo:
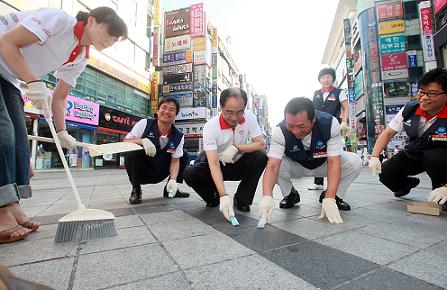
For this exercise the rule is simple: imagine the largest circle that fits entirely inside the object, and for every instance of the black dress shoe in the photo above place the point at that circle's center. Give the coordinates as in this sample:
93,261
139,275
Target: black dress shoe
412,183
342,205
241,205
177,194
135,195
290,200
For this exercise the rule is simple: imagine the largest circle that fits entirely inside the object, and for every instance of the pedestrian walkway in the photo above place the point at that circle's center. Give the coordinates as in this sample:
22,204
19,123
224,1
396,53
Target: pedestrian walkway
181,244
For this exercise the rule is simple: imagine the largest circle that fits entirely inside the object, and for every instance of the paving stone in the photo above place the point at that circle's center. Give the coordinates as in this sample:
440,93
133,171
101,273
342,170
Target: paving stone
153,208
34,251
425,266
128,221
312,229
388,279
127,237
319,265
268,238
253,272
174,216
206,249
105,269
53,273
166,282
438,249
372,248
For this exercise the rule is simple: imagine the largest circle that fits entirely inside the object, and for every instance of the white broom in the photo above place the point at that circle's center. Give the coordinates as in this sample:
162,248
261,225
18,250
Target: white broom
82,224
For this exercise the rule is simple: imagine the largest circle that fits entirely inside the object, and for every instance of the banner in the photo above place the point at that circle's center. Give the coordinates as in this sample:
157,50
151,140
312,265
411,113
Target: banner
427,31
177,57
178,78
394,61
174,88
392,44
390,27
389,10
184,99
192,113
81,111
181,42
197,20
177,69
177,23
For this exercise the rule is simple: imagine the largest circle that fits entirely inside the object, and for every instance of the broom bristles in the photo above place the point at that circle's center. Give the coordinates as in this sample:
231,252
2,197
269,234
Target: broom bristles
85,230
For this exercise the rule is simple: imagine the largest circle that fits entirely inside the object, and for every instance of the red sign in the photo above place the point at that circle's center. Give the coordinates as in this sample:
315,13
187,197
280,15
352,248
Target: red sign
197,20
389,10
439,4
426,21
394,61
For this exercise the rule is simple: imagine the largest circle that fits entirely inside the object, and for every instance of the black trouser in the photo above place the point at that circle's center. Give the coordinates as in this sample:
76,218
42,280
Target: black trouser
248,169
395,170
143,169
319,180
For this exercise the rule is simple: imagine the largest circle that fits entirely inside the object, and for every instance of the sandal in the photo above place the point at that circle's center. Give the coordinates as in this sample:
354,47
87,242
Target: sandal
6,235
32,225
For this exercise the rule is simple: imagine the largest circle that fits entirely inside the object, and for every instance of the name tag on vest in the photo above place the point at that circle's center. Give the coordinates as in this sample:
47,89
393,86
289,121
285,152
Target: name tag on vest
331,98
319,155
442,138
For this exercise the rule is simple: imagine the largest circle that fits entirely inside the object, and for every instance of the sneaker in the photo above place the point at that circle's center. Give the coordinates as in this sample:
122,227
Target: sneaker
411,183
290,200
316,187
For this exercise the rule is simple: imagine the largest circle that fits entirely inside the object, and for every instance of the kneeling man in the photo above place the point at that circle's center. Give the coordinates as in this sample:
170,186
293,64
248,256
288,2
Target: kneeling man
308,143
163,153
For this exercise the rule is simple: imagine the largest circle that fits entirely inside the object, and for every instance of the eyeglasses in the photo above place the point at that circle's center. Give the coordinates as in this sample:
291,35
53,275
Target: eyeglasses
430,94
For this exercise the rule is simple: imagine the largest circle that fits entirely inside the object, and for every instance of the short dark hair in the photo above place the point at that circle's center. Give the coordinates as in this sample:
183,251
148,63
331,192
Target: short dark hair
232,92
327,71
169,99
437,75
299,104
117,26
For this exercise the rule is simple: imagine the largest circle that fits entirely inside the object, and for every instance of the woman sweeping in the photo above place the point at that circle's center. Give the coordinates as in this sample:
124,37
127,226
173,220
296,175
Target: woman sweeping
33,44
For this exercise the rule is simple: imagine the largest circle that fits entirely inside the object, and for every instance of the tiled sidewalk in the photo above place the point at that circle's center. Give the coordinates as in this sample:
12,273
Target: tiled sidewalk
180,244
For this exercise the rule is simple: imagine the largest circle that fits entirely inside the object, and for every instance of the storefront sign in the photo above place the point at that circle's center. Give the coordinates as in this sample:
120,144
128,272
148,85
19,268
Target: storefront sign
201,57
197,20
392,44
394,61
194,130
358,86
427,31
177,69
181,42
199,43
185,99
439,5
389,27
177,57
396,89
389,10
360,104
155,51
156,9
192,113
178,78
394,74
154,94
116,120
81,111
412,58
174,88
177,22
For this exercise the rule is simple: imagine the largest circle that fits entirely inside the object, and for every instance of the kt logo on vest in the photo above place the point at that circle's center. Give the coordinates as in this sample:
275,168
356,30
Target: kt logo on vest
171,148
320,145
295,148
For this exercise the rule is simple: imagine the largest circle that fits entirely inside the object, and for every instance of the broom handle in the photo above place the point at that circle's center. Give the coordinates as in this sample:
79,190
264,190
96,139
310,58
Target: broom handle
64,162
50,140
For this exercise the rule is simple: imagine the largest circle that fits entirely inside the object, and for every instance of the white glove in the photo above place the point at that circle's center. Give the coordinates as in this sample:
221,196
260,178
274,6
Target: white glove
171,187
344,127
438,195
67,141
330,210
226,207
39,95
149,147
265,208
228,155
375,166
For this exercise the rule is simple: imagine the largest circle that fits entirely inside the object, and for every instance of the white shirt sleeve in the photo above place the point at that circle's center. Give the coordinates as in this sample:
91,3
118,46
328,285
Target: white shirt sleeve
253,127
335,143
179,150
69,73
397,123
278,144
343,95
210,136
138,130
46,23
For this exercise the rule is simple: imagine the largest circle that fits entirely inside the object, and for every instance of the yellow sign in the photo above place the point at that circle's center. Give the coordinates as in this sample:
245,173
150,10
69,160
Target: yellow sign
154,89
108,69
156,12
214,35
199,43
188,55
394,26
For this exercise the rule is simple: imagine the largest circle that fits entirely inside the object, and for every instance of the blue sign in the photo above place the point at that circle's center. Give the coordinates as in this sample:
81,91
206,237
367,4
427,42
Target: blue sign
185,99
412,60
